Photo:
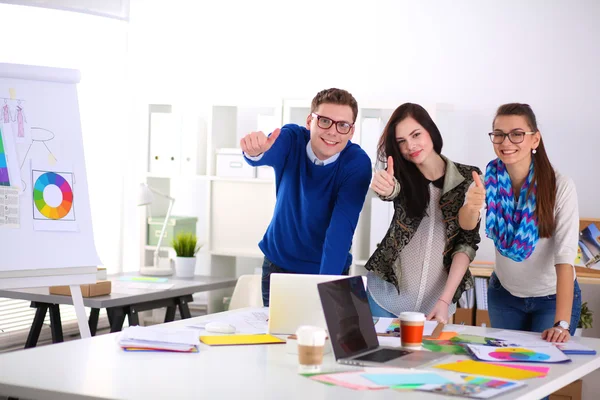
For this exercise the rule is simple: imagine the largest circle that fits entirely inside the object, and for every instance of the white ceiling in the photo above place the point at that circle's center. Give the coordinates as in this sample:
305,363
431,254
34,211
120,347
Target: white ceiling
118,9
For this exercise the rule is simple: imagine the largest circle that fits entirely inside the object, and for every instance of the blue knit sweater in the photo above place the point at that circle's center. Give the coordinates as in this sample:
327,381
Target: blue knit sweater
317,207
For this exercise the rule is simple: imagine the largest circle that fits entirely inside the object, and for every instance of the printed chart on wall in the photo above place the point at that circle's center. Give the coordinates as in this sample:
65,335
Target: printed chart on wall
53,199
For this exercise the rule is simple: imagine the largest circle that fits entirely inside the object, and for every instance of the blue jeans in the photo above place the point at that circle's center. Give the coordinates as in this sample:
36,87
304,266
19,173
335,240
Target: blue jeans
377,310
533,314
269,268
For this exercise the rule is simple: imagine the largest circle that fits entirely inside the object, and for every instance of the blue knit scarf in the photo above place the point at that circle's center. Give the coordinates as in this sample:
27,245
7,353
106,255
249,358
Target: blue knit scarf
514,231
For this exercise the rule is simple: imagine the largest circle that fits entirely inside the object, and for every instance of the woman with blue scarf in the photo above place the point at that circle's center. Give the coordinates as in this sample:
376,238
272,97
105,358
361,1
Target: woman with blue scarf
533,219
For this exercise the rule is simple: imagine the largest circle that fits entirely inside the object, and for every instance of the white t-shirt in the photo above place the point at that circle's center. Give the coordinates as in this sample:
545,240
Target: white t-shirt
536,276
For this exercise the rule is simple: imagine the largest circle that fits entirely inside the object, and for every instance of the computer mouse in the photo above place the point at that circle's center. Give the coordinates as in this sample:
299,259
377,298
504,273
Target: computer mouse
219,327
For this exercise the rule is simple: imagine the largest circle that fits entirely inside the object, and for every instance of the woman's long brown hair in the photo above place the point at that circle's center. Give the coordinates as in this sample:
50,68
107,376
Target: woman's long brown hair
544,175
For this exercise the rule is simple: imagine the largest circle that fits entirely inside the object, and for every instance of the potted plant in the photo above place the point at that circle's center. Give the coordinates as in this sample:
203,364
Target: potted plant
186,247
585,320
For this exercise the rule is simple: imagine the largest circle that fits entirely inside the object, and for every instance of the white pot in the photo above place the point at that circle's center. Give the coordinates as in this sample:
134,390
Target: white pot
185,267
579,332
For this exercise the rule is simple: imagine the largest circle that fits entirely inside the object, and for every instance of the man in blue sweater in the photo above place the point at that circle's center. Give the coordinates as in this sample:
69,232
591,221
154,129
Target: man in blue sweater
321,182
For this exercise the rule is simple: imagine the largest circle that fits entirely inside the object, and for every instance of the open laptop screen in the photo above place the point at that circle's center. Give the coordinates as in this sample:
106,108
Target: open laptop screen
348,316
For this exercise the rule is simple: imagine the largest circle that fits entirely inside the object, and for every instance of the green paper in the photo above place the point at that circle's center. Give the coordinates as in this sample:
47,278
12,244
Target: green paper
444,346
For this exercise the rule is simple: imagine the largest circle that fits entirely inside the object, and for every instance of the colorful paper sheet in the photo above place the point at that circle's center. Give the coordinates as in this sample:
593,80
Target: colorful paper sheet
475,339
445,335
488,369
351,380
546,354
406,379
232,340
542,370
572,347
474,386
444,346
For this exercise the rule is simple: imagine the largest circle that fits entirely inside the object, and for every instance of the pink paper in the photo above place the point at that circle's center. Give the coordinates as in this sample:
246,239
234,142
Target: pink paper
329,379
351,380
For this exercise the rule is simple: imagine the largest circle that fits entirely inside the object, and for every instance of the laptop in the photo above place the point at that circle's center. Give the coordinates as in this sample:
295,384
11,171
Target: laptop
294,301
352,331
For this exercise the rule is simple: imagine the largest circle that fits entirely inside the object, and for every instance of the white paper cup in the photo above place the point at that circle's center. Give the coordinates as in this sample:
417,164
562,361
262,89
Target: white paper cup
311,343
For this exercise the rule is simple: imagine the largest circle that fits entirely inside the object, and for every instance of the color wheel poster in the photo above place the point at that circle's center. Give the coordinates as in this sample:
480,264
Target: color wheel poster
53,197
545,354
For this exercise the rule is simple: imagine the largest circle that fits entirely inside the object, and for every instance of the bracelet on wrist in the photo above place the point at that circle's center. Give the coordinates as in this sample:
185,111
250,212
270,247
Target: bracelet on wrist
444,301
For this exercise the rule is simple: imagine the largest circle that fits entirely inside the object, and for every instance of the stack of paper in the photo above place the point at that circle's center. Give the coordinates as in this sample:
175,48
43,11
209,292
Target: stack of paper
140,338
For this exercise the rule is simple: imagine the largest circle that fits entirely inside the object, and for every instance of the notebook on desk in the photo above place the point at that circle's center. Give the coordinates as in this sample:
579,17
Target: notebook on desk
352,332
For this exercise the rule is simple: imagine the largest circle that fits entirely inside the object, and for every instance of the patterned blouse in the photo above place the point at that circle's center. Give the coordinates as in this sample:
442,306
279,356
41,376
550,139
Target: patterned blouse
422,278
409,269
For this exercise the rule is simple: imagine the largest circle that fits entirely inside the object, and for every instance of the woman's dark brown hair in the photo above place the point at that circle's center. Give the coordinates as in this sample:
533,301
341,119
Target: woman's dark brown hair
415,187
543,175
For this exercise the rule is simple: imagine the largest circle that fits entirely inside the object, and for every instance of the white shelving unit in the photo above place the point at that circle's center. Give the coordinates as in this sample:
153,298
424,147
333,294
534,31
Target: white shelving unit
233,213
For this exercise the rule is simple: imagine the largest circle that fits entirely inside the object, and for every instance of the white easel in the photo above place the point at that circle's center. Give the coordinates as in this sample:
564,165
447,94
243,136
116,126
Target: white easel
38,248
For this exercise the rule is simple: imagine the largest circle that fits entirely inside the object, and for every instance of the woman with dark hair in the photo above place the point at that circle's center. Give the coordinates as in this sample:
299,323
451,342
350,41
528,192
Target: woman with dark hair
422,262
533,219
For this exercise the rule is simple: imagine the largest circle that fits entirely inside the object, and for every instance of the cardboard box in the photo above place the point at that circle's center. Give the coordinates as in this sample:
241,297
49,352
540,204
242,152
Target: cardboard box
572,391
90,290
465,316
482,317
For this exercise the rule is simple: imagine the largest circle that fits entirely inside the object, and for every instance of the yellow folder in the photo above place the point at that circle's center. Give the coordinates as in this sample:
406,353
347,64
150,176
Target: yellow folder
232,340
482,368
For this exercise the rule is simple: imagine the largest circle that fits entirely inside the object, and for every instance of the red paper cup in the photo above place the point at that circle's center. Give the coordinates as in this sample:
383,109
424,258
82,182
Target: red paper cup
411,329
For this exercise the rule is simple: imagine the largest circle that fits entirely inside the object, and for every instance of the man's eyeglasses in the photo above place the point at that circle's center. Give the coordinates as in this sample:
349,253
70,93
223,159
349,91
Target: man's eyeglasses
516,137
342,127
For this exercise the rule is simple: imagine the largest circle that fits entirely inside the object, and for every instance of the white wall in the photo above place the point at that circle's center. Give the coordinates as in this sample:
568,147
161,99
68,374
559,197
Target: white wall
471,54
97,47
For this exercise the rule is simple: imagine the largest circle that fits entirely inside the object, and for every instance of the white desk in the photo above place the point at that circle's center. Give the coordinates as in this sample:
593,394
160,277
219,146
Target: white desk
96,368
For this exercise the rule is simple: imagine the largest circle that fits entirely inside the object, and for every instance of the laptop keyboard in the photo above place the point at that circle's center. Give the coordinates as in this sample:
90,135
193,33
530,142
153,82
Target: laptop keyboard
383,355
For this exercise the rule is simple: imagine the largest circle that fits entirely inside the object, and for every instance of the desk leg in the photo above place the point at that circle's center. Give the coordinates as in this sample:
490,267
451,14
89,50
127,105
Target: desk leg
93,321
117,317
55,324
170,314
36,326
184,308
132,316
109,316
